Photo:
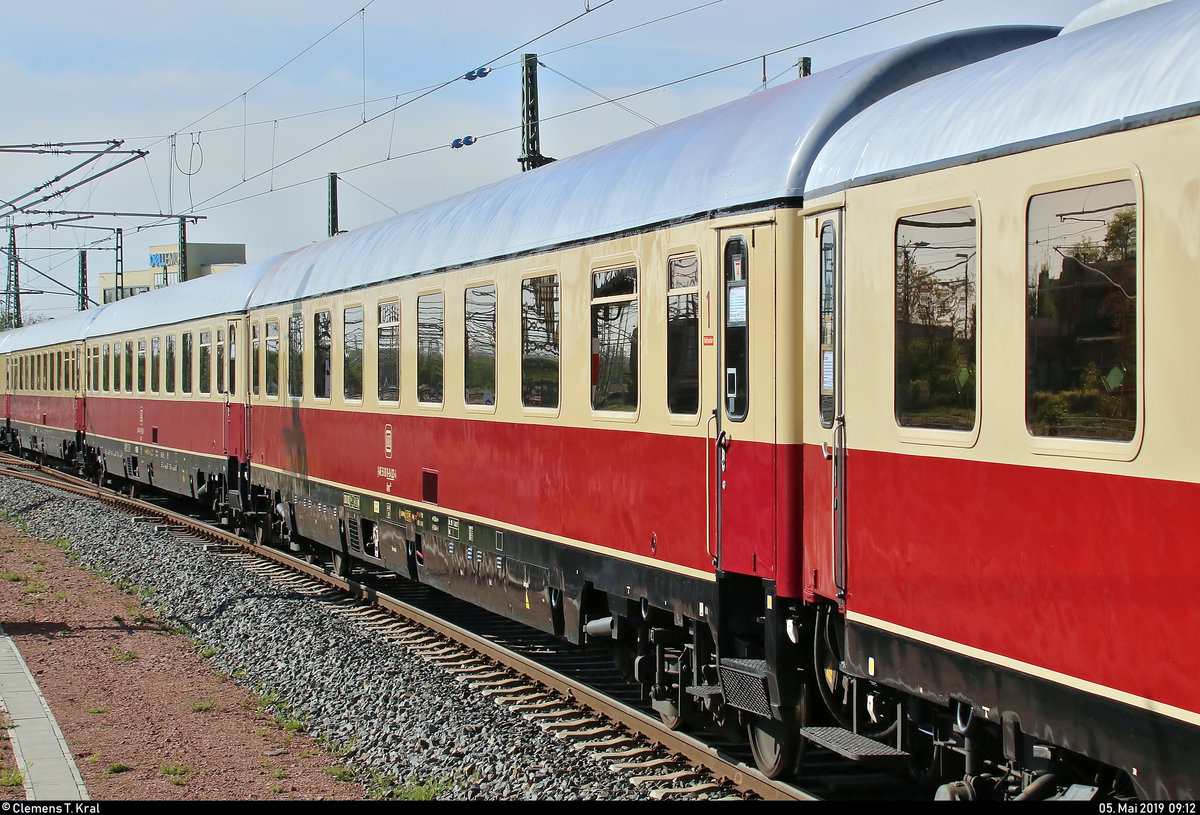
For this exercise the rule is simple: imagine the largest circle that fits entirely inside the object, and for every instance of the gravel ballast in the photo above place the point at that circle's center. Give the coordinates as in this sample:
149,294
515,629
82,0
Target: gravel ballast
398,720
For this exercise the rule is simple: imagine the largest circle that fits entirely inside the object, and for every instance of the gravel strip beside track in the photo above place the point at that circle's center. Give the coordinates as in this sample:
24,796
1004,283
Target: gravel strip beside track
399,720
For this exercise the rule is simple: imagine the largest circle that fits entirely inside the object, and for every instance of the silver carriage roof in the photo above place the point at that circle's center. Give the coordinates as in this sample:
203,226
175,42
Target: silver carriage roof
60,330
210,296
1051,92
749,153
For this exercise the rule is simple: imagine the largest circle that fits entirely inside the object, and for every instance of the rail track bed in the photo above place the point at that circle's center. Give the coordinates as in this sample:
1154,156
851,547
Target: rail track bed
406,680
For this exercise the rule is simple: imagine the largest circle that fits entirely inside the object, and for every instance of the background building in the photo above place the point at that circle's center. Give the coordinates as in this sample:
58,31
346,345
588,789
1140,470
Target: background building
202,259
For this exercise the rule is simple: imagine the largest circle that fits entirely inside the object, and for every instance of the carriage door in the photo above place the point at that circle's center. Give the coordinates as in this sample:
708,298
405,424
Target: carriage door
745,540
825,459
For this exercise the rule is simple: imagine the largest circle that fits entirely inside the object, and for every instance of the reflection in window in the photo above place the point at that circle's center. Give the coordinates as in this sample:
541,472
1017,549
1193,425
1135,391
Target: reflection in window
736,347
271,358
255,364
128,367
539,341
322,352
936,315
1081,307
683,334
185,362
105,367
827,322
431,346
352,353
615,340
170,364
155,363
387,352
220,360
479,363
296,356
205,370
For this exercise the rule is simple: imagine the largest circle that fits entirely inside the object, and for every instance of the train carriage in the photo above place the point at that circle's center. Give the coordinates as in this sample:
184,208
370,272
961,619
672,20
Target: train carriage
166,392
1011,405
44,393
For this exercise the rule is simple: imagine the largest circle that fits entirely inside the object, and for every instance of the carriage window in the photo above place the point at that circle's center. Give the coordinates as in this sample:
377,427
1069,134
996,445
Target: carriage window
1081,328
615,340
205,370
352,353
94,382
683,334
185,362
936,315
479,364
255,365
431,346
827,330
322,345
736,345
169,387
296,356
539,341
155,363
129,366
271,359
387,352
105,367
220,360
233,358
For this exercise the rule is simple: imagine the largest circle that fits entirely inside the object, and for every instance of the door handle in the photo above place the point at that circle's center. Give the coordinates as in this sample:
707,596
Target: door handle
827,451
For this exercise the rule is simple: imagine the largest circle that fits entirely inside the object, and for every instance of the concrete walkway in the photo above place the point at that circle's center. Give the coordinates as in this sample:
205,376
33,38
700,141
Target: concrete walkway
38,745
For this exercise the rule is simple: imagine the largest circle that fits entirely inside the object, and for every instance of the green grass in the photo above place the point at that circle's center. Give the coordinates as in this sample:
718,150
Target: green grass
123,656
178,774
118,768
98,709
203,706
339,773
11,777
208,652
11,576
422,790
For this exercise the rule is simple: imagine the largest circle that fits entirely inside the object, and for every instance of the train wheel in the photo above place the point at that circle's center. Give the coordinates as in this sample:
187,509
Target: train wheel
833,685
777,746
261,533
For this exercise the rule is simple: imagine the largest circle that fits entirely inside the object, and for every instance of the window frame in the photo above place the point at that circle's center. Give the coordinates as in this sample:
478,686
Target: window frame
1100,449
944,437
543,410
482,406
362,353
593,301
395,327
441,403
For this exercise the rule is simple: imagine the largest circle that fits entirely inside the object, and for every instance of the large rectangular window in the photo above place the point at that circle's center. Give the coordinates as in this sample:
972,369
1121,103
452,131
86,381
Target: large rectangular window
615,339
352,353
105,368
479,345
736,345
169,367
204,372
683,334
540,341
296,356
322,353
431,346
271,359
937,289
185,362
1081,328
387,352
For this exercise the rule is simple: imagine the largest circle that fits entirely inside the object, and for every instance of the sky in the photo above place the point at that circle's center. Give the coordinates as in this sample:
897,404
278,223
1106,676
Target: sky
246,107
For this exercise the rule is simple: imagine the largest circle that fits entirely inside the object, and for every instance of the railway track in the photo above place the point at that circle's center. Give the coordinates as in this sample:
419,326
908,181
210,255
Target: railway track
574,694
